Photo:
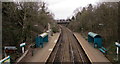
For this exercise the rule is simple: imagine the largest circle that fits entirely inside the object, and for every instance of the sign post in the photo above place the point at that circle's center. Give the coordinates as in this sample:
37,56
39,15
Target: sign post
23,47
117,51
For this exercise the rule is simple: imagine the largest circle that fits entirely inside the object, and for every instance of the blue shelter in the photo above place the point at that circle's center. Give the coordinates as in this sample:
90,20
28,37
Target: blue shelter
40,39
45,37
95,38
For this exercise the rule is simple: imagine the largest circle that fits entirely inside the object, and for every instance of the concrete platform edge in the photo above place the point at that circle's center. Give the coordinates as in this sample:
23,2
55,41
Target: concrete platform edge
53,47
91,60
83,47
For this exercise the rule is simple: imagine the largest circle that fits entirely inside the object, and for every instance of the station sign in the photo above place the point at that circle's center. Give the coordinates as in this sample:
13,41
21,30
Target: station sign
117,44
22,44
117,50
10,49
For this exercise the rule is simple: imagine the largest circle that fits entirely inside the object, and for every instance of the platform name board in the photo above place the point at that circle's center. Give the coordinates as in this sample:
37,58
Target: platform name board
10,49
22,44
117,44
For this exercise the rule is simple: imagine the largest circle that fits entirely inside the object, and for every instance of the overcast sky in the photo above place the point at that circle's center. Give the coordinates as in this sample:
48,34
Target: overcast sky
63,9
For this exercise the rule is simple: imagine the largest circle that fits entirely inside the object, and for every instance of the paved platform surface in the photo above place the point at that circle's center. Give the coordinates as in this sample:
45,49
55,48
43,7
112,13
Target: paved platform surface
42,54
93,54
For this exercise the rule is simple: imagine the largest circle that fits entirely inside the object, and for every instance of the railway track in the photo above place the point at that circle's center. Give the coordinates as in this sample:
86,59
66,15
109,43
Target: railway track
68,50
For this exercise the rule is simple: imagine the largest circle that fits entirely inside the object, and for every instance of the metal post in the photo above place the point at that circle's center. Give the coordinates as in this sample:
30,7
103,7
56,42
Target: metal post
117,50
117,53
5,53
22,49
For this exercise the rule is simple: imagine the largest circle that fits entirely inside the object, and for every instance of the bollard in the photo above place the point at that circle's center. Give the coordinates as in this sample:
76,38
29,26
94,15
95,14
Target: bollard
32,50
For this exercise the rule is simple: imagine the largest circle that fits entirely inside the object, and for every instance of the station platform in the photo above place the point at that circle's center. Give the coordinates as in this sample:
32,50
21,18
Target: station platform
42,54
94,55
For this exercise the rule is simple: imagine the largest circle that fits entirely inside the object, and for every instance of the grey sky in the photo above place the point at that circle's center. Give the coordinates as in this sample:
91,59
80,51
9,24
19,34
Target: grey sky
63,9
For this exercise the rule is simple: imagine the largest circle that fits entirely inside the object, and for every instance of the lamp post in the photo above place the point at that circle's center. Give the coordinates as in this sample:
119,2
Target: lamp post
100,25
82,30
36,25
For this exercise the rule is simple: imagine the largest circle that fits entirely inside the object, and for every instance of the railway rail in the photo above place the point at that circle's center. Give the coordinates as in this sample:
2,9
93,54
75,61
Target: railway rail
68,50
